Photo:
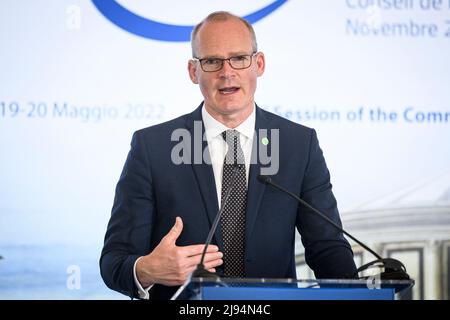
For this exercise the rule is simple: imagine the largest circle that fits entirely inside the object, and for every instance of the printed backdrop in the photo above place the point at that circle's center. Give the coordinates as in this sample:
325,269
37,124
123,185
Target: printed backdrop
77,78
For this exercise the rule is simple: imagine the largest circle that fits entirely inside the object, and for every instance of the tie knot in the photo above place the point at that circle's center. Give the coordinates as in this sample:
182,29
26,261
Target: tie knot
234,154
231,137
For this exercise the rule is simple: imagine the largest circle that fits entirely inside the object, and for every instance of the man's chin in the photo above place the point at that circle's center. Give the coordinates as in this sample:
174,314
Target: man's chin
228,107
231,105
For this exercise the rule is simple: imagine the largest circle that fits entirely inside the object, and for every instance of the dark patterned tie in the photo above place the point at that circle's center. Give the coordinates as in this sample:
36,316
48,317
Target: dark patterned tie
233,216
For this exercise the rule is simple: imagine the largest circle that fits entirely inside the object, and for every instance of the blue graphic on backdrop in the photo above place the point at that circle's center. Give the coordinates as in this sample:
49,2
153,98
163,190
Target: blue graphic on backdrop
155,30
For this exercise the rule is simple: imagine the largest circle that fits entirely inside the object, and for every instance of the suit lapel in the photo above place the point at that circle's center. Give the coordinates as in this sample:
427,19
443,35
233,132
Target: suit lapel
255,188
203,172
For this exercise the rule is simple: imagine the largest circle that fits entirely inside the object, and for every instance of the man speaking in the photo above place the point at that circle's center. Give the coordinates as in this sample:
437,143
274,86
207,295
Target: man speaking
167,197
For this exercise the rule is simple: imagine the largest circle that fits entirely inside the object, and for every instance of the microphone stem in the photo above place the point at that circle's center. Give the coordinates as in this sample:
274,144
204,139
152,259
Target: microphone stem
219,214
325,217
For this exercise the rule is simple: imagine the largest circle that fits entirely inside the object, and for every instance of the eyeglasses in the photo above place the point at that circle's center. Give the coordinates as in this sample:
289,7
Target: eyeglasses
237,62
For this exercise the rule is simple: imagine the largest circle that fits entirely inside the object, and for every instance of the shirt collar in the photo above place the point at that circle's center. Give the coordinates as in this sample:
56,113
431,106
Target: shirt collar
213,128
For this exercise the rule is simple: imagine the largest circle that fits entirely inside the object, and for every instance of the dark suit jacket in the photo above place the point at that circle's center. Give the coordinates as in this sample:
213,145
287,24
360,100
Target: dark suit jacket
152,191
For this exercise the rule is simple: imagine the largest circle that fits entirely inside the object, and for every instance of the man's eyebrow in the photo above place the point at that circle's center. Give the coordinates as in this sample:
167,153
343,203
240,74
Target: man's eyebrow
232,54
239,53
212,57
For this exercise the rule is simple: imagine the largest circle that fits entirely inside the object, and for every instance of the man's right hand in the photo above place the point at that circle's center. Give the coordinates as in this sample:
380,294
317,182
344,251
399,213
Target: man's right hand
170,265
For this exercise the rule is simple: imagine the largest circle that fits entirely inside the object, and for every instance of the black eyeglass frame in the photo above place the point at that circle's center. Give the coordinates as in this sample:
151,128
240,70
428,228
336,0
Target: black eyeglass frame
222,60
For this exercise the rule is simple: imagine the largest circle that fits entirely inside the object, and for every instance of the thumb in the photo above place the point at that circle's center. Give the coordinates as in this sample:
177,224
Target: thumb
176,230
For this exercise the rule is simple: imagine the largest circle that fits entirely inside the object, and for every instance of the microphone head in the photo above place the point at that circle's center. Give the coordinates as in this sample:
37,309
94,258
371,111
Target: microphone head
264,179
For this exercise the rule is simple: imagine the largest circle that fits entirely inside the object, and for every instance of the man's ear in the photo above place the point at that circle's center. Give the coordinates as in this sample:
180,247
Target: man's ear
192,68
260,63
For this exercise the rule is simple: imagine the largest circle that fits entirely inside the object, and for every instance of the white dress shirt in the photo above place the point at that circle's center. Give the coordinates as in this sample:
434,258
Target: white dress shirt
217,149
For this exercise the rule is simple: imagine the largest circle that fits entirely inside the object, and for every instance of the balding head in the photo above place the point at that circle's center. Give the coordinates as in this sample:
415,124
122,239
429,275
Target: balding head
221,16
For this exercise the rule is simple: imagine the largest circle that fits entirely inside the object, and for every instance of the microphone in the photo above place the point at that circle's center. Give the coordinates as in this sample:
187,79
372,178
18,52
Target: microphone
200,271
393,269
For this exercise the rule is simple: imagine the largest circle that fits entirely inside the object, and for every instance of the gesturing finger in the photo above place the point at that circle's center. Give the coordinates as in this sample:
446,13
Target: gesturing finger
197,249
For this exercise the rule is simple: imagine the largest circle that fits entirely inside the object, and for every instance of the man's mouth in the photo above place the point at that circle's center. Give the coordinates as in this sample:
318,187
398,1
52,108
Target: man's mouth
228,90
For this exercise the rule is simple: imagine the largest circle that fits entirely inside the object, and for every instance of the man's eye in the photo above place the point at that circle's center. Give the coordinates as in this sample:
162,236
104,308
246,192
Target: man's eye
211,61
239,58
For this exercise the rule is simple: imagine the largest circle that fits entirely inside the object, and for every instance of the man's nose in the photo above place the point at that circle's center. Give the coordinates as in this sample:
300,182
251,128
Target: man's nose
227,71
